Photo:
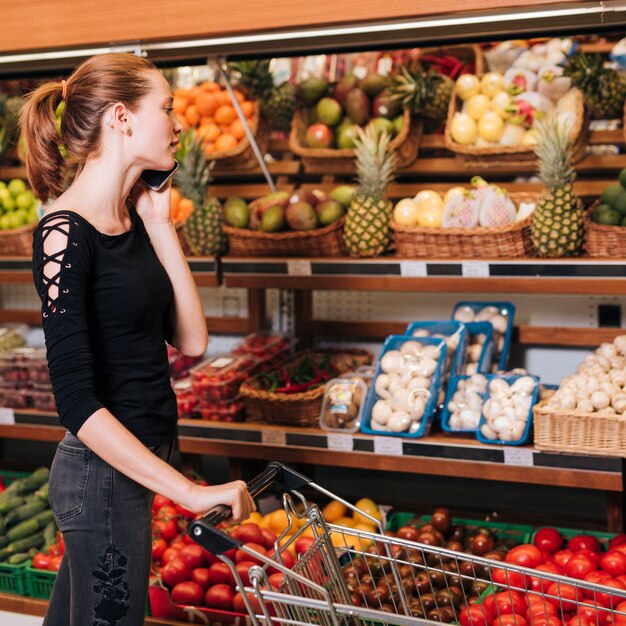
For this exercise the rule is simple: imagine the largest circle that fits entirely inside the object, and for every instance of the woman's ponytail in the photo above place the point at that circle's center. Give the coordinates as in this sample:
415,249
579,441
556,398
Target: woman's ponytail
45,166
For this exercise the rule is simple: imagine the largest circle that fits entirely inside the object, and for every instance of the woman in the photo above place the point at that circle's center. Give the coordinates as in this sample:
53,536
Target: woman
114,286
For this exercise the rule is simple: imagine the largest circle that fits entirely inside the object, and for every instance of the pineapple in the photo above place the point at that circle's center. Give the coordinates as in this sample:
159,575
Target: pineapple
278,103
366,232
604,88
557,222
203,228
424,93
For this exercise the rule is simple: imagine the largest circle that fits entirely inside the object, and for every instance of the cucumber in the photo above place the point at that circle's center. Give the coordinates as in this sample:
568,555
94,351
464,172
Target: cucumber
50,533
3,525
23,529
4,541
44,518
30,484
32,541
9,504
42,493
20,557
25,511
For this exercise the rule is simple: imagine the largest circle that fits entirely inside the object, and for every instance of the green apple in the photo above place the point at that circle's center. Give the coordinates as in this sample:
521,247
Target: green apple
8,203
33,217
16,187
18,218
25,200
5,222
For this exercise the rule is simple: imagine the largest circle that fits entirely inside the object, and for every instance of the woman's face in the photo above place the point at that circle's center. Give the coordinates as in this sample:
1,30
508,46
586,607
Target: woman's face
155,126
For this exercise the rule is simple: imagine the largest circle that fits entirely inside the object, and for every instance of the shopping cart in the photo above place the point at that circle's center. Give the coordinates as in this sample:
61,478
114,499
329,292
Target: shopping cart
352,577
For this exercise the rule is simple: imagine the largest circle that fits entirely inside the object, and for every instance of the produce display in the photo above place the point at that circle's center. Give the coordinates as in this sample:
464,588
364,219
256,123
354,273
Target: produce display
465,406
611,211
179,363
343,402
219,378
480,349
10,338
18,206
25,379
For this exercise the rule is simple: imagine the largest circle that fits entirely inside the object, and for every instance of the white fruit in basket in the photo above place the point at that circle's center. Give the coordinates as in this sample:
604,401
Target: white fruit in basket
406,212
477,106
512,135
463,129
531,137
428,195
491,83
483,143
430,215
552,83
491,126
524,210
451,192
497,210
518,80
529,60
461,211
500,102
467,85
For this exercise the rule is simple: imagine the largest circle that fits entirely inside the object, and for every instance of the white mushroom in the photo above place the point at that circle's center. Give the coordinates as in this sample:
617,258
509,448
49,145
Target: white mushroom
399,421
464,314
392,362
600,399
381,412
500,323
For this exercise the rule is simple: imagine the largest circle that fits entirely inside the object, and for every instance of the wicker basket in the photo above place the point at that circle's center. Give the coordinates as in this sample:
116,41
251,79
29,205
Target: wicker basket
17,242
406,145
474,157
473,243
297,409
584,433
602,241
242,156
319,242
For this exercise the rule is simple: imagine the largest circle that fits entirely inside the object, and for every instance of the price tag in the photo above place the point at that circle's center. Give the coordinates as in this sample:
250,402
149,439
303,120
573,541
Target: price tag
475,269
221,362
391,446
343,442
413,269
298,267
274,437
7,416
519,456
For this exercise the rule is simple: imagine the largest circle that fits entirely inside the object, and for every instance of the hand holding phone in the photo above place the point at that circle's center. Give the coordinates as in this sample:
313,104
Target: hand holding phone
157,179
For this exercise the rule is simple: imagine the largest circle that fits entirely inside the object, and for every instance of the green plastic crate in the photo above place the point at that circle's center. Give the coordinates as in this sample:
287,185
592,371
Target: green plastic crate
9,476
516,532
39,582
13,578
569,533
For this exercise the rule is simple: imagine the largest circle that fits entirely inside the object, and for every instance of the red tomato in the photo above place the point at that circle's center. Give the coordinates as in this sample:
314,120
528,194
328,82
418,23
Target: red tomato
269,537
578,620
609,599
506,578
509,620
620,547
276,581
167,511
564,597
592,615
579,566
550,620
194,555
169,554
188,592
160,501
562,557
159,545
200,576
490,603
614,563
621,578
510,602
590,554
54,550
596,577
175,571
240,607
526,555
240,555
303,544
584,542
619,615
540,610
475,615
618,540
548,539
248,533
210,558
61,542
288,560
41,561
242,569
165,528
219,597
55,563
220,573
541,584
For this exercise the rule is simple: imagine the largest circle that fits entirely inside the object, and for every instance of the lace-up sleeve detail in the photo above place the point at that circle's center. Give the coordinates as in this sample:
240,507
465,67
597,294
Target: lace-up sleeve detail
62,261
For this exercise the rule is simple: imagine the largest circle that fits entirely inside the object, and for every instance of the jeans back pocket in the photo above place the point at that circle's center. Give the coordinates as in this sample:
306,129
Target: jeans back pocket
68,481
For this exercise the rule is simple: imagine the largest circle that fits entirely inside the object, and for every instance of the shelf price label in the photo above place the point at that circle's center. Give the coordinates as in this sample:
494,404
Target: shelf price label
413,269
341,442
274,438
519,456
475,269
299,267
389,446
7,416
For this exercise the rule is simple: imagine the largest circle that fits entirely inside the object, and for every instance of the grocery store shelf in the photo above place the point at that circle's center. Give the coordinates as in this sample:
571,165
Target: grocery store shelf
576,276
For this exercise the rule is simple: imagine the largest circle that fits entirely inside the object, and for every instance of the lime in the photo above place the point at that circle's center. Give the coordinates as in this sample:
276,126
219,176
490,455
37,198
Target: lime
619,203
16,187
609,218
610,194
32,215
8,203
18,218
622,178
382,124
25,200
236,212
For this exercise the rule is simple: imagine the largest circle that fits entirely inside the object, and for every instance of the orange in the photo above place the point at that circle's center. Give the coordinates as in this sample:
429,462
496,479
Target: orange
179,104
368,528
181,92
183,122
204,120
226,114
367,506
185,209
225,142
237,130
208,132
206,104
248,108
208,148
223,97
194,92
240,97
192,115
346,522
210,86
333,511
278,521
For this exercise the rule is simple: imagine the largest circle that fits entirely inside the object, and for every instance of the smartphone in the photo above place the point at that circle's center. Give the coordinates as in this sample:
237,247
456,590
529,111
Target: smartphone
156,179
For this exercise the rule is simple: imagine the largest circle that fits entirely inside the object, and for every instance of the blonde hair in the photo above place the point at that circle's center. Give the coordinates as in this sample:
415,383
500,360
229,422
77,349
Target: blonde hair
92,88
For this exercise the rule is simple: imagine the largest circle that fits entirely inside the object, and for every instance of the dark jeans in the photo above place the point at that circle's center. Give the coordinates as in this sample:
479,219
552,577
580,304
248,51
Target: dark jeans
105,518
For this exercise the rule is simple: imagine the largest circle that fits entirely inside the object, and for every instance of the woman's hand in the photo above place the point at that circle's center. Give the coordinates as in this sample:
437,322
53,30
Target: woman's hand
153,207
233,495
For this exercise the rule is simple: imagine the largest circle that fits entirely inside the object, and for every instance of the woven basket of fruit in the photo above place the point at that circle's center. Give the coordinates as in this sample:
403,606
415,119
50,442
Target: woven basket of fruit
17,241
293,394
316,224
492,120
434,238
18,220
605,234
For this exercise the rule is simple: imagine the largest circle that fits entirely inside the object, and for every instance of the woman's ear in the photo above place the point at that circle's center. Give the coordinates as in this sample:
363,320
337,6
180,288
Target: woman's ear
118,119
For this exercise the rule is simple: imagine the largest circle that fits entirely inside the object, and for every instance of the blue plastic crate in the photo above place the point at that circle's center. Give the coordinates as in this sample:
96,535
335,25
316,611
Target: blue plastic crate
445,414
486,356
393,342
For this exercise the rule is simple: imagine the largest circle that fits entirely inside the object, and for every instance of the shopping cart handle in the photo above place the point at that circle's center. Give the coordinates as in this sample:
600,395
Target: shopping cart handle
204,531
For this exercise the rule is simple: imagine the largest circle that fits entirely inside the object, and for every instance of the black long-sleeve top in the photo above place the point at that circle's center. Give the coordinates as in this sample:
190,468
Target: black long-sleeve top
106,318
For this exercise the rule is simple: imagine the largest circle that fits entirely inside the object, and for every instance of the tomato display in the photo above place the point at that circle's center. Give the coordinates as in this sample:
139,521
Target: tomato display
548,539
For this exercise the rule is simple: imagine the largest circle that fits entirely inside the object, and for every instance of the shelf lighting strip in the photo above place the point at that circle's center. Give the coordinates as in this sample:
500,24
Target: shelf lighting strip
554,18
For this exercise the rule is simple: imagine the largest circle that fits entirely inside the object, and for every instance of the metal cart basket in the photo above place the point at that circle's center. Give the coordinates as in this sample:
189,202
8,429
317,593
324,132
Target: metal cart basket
353,577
